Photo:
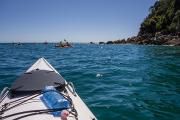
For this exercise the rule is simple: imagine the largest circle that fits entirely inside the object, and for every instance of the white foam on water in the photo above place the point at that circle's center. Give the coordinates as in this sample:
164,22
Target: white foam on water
99,75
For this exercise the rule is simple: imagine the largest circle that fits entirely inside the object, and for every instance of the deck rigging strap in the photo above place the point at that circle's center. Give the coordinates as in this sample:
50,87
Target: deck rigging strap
34,112
4,107
73,110
16,100
70,84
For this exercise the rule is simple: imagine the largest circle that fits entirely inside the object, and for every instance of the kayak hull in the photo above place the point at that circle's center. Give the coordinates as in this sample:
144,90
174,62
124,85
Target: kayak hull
35,103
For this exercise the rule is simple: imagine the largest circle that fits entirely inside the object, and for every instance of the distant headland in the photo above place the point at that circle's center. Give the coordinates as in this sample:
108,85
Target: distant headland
160,27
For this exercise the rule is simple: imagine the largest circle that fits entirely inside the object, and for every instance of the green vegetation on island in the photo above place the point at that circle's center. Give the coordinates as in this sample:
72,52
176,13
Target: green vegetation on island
164,17
160,27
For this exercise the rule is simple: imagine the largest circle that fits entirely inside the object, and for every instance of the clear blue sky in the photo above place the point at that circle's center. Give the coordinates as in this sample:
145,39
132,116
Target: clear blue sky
75,20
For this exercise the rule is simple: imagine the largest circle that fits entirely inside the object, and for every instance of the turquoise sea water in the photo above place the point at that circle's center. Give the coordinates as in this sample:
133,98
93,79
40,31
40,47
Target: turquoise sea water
117,82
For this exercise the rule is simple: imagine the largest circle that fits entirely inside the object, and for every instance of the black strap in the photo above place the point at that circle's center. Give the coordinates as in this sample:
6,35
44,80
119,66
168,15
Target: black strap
4,108
34,112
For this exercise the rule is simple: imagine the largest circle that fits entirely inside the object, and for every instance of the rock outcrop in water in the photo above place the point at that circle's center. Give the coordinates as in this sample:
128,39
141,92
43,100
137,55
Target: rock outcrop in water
160,27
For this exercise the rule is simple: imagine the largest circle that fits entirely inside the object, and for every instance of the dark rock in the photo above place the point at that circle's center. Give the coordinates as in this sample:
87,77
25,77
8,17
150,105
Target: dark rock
110,42
174,42
101,42
92,43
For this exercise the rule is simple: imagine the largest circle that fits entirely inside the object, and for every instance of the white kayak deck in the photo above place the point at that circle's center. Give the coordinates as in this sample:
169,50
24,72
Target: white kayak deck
36,104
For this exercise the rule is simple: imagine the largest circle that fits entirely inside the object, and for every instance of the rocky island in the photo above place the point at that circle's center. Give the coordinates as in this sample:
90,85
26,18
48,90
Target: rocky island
160,27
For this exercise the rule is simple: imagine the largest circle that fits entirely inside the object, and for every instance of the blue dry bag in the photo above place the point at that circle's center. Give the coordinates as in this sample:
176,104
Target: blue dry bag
53,100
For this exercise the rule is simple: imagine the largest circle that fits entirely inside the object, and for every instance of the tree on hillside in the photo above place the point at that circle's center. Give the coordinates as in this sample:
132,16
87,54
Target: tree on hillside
164,17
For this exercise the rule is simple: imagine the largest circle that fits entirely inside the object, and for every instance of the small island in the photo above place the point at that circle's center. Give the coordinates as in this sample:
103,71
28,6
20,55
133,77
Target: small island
160,27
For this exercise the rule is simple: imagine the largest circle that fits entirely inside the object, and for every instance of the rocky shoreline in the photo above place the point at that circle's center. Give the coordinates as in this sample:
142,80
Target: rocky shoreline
157,39
160,27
